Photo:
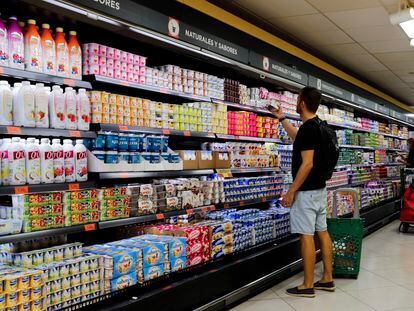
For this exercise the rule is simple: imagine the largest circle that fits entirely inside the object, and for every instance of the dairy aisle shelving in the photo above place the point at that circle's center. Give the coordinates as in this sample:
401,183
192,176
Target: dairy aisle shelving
209,275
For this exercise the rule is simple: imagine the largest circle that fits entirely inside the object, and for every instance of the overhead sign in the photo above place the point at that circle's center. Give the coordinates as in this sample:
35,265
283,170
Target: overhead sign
409,120
364,102
267,64
382,109
193,35
330,89
397,115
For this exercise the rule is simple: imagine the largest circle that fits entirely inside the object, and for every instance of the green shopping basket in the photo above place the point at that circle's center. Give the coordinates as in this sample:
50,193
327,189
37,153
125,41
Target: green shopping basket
346,235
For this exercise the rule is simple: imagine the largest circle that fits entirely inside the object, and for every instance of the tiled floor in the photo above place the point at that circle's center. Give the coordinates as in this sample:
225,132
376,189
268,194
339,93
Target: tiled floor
385,282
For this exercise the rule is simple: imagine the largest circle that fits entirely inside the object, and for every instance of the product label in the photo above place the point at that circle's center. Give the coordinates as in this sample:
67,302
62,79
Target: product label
7,108
32,155
28,106
16,48
48,155
81,155
17,155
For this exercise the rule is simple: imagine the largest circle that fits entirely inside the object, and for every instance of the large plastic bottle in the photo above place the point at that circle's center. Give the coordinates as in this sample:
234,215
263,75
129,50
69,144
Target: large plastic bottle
46,161
4,45
16,44
69,160
17,162
84,110
75,57
6,104
5,161
23,105
81,161
32,48
62,54
32,161
58,161
41,106
57,111
70,104
48,51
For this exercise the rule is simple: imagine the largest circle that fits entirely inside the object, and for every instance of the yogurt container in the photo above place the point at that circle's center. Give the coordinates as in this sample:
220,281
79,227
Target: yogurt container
124,157
135,158
123,142
111,157
111,141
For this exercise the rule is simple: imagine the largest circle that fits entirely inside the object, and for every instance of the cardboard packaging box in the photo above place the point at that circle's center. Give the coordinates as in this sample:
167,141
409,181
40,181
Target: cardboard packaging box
221,159
205,159
189,158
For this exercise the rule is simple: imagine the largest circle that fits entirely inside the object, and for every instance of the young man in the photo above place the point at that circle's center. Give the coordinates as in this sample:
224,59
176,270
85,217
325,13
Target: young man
307,194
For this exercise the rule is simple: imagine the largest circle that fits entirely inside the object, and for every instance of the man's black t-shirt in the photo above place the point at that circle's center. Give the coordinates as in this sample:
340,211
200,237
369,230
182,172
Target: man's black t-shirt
308,138
410,159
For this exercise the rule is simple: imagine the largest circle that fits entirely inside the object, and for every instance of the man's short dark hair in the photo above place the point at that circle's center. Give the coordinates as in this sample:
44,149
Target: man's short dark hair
311,97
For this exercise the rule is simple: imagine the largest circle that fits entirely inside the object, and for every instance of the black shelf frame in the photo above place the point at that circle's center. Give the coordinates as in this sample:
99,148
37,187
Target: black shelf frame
44,132
25,189
42,77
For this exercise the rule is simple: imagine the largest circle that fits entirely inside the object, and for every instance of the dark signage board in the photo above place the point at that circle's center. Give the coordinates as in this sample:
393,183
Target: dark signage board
364,102
205,40
330,89
267,64
382,109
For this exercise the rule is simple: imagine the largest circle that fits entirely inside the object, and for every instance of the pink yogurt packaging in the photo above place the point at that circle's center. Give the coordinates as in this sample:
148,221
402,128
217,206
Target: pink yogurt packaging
130,76
142,79
135,69
102,61
130,67
130,58
142,61
117,73
124,56
110,63
124,75
110,52
94,69
117,64
136,59
123,66
102,71
102,50
93,48
109,72
136,78
117,54
93,60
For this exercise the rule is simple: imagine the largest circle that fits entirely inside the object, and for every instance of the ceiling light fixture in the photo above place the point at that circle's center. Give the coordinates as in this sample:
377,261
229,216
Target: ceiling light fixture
405,18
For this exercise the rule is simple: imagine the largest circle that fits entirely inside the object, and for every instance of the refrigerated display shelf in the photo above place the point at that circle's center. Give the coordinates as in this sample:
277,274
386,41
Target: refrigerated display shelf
367,165
24,189
255,170
345,126
251,138
44,132
162,90
369,148
129,221
149,130
157,174
42,77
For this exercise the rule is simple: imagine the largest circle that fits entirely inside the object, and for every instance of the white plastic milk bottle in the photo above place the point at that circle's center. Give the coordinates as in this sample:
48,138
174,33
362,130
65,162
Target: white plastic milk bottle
84,110
6,104
23,105
17,164
57,114
58,161
41,106
69,160
32,162
70,104
81,161
5,161
46,161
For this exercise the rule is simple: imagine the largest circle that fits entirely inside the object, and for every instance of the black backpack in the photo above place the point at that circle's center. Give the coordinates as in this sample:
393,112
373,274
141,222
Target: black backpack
329,151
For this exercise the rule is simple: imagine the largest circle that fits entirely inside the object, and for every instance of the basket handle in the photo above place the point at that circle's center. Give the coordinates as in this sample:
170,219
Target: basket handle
355,195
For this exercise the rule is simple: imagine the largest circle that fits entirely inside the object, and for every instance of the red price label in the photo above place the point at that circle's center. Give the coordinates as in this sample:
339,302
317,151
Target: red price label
190,211
124,83
90,227
241,203
186,133
226,205
123,175
210,134
74,134
1,70
123,128
264,199
159,216
73,187
166,131
212,208
14,130
69,82
163,90
21,190
204,209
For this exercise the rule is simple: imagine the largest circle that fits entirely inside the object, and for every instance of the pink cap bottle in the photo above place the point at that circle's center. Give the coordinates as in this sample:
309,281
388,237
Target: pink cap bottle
16,44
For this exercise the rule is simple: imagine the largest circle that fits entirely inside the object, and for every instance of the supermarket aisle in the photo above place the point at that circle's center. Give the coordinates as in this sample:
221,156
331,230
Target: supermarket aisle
386,281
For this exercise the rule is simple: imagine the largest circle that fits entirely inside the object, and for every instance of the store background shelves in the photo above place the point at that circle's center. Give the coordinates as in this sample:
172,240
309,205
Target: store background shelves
255,170
42,77
160,174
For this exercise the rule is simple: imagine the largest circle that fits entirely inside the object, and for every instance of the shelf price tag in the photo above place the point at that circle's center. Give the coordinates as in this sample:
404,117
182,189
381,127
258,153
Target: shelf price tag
21,189
163,90
124,83
123,175
14,130
226,205
264,199
123,127
69,82
74,133
1,70
166,131
159,216
186,133
190,211
242,203
212,208
225,173
73,187
210,134
90,227
205,209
